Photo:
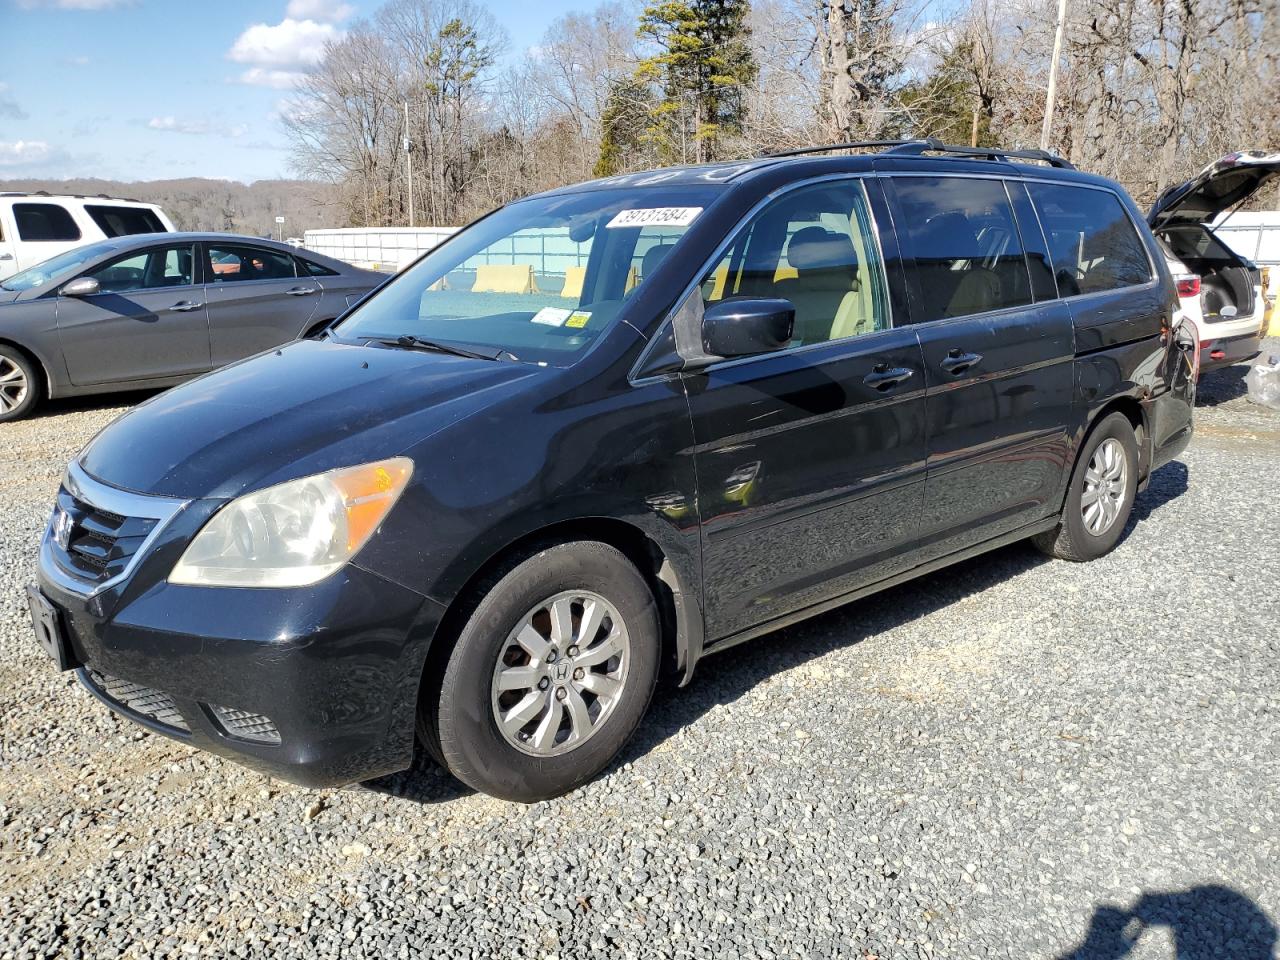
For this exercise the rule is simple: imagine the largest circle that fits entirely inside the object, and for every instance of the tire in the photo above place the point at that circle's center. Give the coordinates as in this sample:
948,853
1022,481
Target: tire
590,707
20,385
1078,537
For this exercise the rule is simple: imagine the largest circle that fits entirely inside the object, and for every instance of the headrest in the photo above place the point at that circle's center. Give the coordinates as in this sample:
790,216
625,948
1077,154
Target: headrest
654,256
816,248
946,236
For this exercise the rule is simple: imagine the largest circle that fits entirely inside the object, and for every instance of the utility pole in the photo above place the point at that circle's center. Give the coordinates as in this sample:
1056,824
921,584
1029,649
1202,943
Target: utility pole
408,160
1053,75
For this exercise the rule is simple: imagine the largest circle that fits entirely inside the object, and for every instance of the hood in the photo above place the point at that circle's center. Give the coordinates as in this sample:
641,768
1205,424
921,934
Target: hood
1215,189
308,407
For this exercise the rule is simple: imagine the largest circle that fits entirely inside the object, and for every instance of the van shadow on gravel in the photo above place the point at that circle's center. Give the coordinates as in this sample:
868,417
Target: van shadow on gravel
726,677
1209,922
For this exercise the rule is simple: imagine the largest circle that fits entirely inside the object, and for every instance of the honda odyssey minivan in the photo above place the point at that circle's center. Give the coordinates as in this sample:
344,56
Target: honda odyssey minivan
604,432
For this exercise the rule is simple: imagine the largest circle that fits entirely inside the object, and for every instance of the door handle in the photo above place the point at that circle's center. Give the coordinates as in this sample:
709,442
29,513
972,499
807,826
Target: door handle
957,361
883,377
185,306
300,291
6,256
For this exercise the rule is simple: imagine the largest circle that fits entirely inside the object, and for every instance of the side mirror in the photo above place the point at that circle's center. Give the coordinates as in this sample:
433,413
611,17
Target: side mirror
740,328
82,287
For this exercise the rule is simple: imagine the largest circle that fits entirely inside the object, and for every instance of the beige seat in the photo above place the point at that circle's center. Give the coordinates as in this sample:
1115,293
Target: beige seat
826,266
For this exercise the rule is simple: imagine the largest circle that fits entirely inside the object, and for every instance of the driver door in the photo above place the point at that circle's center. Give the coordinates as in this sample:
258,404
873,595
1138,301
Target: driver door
810,459
148,321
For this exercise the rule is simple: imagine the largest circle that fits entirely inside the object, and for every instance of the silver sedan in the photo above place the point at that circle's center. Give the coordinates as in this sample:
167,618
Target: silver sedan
152,310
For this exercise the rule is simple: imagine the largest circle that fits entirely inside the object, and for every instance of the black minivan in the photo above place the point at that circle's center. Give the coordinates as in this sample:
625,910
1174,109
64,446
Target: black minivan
603,432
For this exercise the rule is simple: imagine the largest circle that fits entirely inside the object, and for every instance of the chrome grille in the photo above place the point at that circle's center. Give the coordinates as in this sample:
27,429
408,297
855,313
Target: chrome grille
135,698
247,725
98,544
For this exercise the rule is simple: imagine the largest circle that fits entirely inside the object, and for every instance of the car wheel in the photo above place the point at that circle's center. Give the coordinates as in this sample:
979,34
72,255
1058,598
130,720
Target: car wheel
1100,497
550,675
19,384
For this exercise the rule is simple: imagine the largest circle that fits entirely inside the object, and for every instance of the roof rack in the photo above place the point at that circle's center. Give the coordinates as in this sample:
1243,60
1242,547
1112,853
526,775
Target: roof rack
924,145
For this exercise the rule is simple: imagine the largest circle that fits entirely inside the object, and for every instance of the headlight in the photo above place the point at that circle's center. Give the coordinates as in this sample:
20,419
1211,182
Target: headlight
295,533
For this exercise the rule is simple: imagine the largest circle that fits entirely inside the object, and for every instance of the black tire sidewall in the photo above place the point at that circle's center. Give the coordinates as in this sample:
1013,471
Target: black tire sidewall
1087,545
473,748
33,384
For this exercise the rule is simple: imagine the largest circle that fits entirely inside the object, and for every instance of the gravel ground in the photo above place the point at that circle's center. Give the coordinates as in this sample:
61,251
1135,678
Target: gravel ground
1011,758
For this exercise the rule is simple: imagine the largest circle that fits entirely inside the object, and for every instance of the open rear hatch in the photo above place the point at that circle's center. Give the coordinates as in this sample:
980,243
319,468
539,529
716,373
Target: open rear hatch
1181,217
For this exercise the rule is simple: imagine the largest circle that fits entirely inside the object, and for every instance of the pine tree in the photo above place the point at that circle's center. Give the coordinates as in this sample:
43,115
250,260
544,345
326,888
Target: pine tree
702,63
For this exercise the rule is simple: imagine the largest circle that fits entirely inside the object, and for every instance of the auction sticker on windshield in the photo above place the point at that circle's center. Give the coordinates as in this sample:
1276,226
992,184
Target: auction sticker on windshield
655,217
551,316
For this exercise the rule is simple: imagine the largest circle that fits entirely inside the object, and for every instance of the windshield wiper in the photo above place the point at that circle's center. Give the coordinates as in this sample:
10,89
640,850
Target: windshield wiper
411,342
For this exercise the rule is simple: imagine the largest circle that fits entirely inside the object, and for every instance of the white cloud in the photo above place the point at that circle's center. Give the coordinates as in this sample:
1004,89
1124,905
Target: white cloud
196,127
288,45
264,77
21,153
77,61
330,10
9,108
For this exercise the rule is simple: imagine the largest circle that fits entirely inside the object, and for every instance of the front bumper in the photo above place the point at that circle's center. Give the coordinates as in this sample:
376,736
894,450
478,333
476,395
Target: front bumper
317,685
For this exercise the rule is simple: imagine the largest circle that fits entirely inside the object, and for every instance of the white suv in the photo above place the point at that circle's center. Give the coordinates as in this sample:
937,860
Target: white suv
37,226
1219,291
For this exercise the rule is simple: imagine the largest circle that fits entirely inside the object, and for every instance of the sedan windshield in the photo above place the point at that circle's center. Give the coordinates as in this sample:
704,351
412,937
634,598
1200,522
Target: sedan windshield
56,267
538,280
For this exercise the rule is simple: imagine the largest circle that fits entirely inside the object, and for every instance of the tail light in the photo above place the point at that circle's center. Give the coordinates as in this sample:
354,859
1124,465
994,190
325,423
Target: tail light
1188,285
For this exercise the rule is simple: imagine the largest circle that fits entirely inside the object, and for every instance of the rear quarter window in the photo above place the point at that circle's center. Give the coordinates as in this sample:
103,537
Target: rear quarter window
310,268
1093,245
44,222
116,221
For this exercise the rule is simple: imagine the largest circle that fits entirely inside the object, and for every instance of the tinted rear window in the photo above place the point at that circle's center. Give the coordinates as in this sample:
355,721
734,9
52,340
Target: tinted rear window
966,245
1092,242
44,221
119,221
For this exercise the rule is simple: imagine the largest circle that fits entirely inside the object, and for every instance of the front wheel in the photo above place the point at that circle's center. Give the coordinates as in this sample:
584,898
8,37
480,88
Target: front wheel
1100,496
549,676
19,384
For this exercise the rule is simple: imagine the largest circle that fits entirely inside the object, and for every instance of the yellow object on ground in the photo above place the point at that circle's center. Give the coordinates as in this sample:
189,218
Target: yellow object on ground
1270,309
633,279
505,278
574,278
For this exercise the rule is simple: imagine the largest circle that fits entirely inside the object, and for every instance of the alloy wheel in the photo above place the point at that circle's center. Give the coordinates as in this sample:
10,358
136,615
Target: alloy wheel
13,385
1105,487
560,673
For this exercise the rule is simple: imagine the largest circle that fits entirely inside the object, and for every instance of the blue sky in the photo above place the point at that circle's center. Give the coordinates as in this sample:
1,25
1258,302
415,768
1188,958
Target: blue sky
151,89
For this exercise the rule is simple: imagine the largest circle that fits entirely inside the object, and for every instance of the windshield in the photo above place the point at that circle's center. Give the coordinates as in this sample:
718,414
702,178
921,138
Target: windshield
538,280
55,267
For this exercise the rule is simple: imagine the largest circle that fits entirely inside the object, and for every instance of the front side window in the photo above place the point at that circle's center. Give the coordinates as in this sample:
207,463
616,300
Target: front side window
45,222
1092,242
152,269
116,221
540,279
965,241
814,246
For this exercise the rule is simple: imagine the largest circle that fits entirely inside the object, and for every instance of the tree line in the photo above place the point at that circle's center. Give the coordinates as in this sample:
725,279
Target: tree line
1148,92
220,206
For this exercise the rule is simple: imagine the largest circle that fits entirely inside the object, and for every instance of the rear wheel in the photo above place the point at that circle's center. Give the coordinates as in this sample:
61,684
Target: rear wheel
1100,496
19,384
549,676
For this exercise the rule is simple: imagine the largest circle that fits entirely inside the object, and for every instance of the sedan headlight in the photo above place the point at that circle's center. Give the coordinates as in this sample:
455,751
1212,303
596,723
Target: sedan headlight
295,533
